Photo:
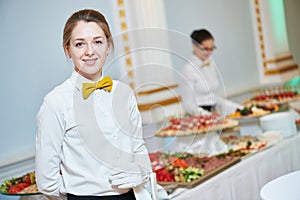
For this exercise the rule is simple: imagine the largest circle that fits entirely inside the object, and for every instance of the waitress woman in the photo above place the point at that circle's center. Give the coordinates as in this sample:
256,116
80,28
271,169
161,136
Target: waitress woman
201,95
200,86
89,142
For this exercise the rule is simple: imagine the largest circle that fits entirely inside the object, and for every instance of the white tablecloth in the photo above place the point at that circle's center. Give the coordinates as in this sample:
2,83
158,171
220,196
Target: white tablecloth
245,179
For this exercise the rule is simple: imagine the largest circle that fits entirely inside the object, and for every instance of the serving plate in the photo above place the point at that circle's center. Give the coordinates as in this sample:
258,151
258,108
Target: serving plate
227,124
203,178
21,186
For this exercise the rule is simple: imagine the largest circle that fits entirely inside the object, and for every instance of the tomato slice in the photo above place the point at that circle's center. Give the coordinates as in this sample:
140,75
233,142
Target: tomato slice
22,185
178,162
14,189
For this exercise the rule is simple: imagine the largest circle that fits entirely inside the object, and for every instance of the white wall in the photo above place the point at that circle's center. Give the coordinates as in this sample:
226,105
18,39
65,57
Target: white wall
32,63
292,12
230,23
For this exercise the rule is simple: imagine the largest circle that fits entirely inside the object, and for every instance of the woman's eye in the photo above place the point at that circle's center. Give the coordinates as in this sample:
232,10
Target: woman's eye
98,42
79,44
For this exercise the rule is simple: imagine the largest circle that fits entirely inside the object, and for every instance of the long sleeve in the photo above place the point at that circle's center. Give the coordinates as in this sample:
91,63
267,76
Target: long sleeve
88,147
49,141
227,106
139,149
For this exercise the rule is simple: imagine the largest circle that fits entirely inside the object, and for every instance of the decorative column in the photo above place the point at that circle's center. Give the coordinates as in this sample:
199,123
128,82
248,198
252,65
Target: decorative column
275,61
145,57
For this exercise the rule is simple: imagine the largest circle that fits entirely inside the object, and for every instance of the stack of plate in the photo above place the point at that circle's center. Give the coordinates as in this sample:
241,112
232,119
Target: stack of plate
250,126
283,122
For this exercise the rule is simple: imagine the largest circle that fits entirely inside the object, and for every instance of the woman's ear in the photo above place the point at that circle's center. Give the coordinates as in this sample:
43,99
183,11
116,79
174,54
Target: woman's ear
108,49
194,45
67,51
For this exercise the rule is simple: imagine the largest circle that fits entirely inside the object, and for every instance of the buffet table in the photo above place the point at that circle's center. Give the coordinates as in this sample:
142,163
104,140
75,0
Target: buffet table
245,179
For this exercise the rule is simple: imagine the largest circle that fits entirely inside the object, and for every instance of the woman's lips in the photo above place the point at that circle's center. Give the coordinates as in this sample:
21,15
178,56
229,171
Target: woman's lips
90,62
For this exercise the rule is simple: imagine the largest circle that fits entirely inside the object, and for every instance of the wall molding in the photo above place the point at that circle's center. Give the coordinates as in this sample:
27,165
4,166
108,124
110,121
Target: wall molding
165,102
280,58
274,58
17,168
154,90
282,69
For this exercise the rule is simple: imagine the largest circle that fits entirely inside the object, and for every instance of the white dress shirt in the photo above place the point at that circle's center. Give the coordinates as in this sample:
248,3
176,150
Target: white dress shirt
200,86
87,140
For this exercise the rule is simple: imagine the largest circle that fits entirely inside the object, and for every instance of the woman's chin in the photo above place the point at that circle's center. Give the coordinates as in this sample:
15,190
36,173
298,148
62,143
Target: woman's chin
90,70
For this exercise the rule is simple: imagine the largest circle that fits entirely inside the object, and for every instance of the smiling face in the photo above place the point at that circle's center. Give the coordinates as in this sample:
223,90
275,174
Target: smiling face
88,49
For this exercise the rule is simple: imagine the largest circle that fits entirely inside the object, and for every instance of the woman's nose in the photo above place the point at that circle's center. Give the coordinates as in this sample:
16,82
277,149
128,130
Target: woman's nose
89,50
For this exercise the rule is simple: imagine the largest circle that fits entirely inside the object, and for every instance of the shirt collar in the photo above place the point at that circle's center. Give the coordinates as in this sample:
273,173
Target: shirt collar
197,61
78,80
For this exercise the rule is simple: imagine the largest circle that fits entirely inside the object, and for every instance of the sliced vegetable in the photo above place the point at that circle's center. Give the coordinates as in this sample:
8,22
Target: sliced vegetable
191,173
15,185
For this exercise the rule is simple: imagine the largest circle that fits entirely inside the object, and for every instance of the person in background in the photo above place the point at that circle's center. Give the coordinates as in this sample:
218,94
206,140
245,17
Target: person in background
201,89
201,95
89,141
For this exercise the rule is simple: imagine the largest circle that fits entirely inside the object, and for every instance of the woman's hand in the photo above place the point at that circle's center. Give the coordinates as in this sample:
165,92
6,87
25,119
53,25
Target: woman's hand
123,180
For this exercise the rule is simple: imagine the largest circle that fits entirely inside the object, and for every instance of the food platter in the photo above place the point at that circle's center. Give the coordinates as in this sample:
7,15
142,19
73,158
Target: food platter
194,125
206,176
20,186
188,170
250,144
269,97
26,192
30,190
250,112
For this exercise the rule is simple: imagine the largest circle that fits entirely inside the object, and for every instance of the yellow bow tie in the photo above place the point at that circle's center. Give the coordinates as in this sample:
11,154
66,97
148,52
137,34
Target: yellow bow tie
105,83
206,64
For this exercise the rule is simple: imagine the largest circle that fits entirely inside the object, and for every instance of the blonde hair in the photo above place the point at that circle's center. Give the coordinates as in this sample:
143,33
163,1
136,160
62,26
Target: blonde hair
87,15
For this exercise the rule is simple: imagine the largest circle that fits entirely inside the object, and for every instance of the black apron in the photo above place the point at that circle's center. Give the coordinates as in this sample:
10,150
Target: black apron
127,196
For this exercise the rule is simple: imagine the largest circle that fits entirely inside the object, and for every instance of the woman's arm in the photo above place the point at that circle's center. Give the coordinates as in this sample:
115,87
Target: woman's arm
141,155
49,141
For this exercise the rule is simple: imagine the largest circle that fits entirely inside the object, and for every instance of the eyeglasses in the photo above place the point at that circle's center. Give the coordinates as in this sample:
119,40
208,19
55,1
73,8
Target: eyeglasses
206,48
